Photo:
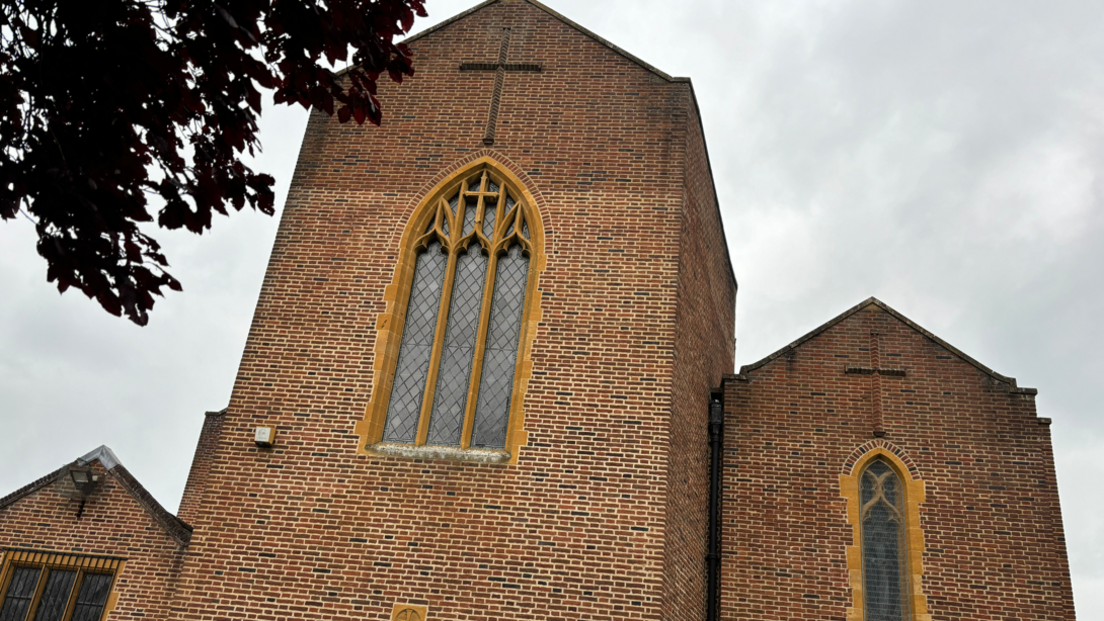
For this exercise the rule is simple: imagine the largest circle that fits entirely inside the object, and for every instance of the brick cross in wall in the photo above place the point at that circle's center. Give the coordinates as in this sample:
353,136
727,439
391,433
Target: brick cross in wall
500,67
876,373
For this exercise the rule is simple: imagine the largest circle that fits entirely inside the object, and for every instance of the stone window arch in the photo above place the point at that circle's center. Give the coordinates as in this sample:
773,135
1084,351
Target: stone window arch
455,344
882,523
886,561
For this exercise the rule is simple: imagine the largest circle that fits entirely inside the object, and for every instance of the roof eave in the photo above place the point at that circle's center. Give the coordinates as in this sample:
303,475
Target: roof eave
176,528
558,16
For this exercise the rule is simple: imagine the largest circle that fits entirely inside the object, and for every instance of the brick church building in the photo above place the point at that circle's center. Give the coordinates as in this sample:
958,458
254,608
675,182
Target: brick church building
489,376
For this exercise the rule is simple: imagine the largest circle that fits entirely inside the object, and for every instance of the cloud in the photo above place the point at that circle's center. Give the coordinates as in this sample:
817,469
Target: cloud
943,156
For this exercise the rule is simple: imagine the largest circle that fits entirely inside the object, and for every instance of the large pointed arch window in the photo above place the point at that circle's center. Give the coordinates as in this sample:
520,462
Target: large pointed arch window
454,379
883,525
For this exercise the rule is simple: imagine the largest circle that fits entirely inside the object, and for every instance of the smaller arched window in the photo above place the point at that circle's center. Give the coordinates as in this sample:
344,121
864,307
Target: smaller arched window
886,562
883,526
465,285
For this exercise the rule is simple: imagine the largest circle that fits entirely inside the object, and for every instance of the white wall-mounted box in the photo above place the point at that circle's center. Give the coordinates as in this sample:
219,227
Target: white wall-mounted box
265,436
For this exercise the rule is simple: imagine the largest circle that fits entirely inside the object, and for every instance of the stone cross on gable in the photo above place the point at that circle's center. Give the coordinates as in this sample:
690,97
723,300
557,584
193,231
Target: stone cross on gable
876,373
500,67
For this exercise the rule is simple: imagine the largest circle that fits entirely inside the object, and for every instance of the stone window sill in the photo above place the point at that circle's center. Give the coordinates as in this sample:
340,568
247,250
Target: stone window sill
451,453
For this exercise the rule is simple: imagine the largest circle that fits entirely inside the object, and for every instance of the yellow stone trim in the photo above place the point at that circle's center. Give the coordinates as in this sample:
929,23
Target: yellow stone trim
396,295
409,612
438,338
485,307
914,534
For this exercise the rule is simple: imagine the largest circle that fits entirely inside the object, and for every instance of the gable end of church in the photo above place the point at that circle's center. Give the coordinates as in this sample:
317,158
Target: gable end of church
489,377
806,429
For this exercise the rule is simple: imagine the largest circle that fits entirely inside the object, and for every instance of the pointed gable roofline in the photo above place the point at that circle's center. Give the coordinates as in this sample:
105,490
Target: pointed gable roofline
624,54
176,528
561,18
872,301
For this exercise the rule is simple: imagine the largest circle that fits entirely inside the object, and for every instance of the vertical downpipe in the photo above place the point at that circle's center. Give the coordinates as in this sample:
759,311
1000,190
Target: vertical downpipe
713,557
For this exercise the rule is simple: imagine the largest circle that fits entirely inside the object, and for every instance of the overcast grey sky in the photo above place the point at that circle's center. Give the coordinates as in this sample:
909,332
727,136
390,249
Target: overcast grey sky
944,156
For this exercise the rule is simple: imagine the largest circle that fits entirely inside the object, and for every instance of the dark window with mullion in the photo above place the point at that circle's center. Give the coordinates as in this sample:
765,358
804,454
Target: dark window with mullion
21,590
92,597
450,399
496,385
452,362
416,349
884,548
55,597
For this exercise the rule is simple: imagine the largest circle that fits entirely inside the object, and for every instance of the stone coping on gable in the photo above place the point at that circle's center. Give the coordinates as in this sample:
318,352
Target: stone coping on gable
872,301
178,529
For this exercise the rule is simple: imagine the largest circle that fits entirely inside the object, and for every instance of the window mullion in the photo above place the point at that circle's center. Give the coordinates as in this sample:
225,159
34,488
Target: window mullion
43,575
71,604
884,568
480,347
456,232
438,347
485,310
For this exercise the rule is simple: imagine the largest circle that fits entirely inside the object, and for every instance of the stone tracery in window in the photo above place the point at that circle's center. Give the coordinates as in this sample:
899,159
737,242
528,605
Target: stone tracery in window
884,492
884,547
455,376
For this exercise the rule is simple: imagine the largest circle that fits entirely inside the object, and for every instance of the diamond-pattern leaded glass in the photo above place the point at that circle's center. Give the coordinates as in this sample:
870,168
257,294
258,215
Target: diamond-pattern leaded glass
50,586
412,369
469,214
453,204
451,395
17,600
510,215
496,384
92,597
479,197
885,577
489,221
55,596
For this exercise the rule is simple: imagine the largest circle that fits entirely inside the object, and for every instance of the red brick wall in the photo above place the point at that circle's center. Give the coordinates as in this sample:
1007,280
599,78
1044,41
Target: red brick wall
575,529
991,520
113,524
703,353
201,466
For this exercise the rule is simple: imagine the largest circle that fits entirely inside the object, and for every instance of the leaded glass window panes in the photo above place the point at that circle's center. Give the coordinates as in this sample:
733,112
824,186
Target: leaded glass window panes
453,379
51,586
92,597
416,348
489,221
21,589
469,214
451,395
55,596
884,549
500,355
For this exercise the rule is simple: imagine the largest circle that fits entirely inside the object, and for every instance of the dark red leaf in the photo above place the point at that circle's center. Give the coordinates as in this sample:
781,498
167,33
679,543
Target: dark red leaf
117,98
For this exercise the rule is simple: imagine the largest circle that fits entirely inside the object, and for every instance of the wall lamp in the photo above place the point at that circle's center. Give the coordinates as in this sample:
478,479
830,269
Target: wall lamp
86,481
